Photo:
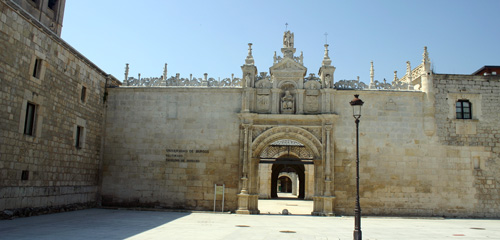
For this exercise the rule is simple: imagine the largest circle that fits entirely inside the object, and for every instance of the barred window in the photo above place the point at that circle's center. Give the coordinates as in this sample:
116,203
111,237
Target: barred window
464,109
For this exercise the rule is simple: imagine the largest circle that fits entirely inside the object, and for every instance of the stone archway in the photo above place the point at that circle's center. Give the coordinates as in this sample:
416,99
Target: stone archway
248,198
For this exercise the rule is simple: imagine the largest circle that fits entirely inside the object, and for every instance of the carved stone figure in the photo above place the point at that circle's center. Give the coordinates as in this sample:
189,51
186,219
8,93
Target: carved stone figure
247,80
287,103
288,40
328,81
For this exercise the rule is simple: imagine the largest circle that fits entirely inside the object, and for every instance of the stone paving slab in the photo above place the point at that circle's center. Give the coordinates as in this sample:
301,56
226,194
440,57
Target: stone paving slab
128,224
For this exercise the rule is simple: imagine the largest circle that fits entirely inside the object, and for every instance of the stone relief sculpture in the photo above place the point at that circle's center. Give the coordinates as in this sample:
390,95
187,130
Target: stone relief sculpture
287,103
312,85
263,102
263,83
312,105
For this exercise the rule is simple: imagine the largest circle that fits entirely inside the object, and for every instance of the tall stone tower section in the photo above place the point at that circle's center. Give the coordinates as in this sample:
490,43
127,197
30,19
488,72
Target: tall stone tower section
48,12
326,70
248,80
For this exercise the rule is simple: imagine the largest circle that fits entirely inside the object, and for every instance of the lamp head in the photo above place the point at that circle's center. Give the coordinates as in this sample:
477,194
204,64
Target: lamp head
356,104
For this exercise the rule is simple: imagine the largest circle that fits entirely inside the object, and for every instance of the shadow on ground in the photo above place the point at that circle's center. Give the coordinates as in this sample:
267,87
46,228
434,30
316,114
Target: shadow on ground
87,224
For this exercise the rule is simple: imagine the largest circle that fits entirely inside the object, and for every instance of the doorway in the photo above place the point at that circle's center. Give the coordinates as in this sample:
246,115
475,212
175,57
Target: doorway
287,175
286,178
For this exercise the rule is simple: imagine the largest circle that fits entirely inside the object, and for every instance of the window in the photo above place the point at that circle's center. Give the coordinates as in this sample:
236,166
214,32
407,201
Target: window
52,4
37,70
79,137
29,123
35,3
464,109
25,175
83,94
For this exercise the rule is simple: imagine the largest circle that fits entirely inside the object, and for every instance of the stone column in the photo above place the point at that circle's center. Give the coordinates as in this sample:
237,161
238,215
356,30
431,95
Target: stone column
244,196
295,183
300,101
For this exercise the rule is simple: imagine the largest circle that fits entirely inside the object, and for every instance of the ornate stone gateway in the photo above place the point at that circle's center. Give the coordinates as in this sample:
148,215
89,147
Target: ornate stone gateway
286,105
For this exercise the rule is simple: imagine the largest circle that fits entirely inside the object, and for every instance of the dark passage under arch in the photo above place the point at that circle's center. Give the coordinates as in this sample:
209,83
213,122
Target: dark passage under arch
288,162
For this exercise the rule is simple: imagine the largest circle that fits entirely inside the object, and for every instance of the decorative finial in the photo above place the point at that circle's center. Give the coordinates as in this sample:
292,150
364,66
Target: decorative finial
250,49
395,76
326,38
165,72
408,74
126,73
326,59
286,26
249,60
426,61
372,77
372,73
425,55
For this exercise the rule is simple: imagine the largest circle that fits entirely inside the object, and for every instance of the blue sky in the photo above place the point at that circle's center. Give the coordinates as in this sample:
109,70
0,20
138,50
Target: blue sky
212,36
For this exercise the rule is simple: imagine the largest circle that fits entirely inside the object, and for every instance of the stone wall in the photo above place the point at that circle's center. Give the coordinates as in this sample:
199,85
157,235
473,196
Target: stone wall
167,147
480,132
56,172
403,170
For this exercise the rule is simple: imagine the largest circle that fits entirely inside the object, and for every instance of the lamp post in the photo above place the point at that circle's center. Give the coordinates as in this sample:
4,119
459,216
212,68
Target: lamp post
356,104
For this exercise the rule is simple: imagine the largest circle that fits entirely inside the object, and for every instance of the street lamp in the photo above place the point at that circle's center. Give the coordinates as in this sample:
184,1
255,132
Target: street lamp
356,104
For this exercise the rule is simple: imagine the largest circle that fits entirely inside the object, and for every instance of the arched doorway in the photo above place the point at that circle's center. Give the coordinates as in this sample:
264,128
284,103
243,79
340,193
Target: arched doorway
258,149
289,157
284,184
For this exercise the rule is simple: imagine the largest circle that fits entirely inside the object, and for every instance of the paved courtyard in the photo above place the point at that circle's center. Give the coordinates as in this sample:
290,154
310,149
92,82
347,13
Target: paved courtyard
129,224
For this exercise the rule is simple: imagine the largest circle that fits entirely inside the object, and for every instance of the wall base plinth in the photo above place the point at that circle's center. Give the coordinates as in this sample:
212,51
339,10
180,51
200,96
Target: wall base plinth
323,206
247,204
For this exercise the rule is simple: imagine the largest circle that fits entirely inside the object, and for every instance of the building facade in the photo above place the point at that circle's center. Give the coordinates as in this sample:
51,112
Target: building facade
52,113
429,142
71,134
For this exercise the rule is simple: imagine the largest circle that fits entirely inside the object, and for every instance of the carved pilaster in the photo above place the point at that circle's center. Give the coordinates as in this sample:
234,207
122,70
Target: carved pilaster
300,101
244,179
275,100
245,100
325,101
328,181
